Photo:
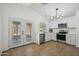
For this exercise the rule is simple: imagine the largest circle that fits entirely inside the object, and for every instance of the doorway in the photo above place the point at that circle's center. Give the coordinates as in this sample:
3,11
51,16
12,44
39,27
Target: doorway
20,33
28,31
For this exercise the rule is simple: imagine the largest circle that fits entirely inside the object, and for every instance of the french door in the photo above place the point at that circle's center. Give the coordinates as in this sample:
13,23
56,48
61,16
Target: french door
20,32
27,33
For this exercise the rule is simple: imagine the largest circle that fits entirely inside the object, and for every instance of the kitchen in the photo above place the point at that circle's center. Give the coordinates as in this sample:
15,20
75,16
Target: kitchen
24,26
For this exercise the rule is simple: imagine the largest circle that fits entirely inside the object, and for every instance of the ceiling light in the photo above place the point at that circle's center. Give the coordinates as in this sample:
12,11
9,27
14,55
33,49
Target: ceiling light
58,15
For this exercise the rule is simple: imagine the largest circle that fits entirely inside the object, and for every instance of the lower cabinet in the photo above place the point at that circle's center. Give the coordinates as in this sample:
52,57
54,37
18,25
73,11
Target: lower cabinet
71,39
47,37
50,36
77,40
54,36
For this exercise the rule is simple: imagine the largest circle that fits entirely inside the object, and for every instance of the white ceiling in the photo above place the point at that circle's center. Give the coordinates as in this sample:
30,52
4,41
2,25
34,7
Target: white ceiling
68,9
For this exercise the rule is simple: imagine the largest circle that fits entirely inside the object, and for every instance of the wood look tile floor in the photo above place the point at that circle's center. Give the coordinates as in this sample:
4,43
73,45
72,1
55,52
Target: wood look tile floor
50,48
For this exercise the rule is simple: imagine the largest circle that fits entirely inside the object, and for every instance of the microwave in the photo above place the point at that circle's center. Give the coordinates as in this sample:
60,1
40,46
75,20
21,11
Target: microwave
62,25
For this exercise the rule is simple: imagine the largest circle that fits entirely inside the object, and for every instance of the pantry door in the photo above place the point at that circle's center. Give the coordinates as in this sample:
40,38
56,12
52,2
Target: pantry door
27,32
15,32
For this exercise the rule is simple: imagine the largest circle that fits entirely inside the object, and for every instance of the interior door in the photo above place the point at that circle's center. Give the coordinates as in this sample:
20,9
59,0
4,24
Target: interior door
15,33
20,32
28,33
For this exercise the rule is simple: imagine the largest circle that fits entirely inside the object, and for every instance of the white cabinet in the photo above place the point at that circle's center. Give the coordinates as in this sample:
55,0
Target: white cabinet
77,40
47,37
50,36
71,24
71,39
54,36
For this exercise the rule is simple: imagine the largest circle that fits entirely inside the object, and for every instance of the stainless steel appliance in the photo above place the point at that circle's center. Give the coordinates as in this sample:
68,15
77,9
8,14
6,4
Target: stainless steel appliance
42,38
62,25
62,35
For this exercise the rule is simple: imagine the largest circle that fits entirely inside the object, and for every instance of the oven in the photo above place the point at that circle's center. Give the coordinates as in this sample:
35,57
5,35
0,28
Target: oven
61,36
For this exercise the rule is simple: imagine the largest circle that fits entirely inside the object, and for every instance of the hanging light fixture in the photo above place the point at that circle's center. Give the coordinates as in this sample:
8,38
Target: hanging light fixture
57,15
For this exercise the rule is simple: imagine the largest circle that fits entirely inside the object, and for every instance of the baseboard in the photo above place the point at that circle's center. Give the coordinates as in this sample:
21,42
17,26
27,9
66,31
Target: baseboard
19,46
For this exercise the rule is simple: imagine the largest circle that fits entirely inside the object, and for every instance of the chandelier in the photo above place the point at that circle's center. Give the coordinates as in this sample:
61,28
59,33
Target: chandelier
57,15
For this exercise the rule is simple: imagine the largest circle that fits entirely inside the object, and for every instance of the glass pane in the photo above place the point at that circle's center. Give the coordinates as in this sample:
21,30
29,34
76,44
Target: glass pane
16,28
28,31
28,27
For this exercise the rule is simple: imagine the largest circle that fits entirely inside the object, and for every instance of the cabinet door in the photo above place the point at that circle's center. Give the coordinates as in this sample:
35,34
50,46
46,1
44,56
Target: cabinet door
47,37
54,36
77,40
73,39
68,39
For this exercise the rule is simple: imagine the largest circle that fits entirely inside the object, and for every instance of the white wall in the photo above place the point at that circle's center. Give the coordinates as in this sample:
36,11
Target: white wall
10,10
0,34
0,30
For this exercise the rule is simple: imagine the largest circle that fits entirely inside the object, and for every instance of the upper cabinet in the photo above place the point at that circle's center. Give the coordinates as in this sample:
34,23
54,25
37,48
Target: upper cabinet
42,27
68,20
71,22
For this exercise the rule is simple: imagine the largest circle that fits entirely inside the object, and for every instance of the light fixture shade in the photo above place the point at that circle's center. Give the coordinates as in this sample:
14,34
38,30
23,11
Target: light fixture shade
58,15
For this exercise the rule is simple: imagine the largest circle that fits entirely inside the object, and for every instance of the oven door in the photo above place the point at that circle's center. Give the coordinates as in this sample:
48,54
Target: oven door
61,37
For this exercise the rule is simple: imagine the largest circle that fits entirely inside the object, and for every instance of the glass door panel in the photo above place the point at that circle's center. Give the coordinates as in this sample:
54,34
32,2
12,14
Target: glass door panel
16,32
19,32
28,32
28,27
16,28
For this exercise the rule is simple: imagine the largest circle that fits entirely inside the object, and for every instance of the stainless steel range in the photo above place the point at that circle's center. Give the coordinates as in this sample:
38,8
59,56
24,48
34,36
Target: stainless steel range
61,35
